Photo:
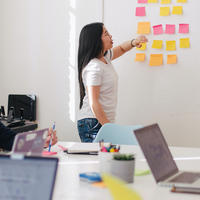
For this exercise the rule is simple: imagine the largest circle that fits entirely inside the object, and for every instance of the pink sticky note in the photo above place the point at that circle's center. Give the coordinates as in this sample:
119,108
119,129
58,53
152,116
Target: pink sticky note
47,153
140,11
183,28
158,29
142,1
170,29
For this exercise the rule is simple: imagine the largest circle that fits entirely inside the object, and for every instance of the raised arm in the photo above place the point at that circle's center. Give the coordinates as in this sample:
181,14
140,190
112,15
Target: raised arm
93,95
128,45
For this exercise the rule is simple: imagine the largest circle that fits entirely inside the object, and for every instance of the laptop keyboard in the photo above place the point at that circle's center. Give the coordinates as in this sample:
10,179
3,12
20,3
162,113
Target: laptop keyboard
186,177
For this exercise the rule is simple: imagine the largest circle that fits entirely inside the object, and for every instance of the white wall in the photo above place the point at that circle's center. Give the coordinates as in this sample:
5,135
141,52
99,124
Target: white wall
38,55
168,95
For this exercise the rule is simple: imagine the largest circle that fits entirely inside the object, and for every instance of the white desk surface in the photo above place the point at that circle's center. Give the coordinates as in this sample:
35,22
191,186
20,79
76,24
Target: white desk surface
68,186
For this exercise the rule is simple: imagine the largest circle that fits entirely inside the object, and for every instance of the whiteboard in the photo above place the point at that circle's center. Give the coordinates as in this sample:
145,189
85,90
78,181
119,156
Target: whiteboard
168,95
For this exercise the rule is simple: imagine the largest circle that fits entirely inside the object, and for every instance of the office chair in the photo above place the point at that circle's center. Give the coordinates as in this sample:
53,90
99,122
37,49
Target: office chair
117,134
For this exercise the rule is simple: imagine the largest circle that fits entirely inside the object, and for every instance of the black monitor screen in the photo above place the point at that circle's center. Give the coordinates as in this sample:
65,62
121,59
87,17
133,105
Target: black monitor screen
27,103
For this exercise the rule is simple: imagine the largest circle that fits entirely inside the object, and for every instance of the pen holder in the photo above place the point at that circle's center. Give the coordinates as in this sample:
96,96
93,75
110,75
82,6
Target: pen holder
122,168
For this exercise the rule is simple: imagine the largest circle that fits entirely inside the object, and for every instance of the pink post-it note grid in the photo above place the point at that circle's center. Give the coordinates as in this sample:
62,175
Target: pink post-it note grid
183,28
142,1
170,29
158,29
140,11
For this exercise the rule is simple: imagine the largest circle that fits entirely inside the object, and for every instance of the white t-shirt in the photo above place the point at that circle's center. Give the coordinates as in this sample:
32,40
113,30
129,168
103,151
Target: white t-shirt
97,73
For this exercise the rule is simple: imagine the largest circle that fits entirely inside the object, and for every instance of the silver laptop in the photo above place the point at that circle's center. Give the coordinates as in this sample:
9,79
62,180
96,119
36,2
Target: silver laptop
160,160
30,143
27,178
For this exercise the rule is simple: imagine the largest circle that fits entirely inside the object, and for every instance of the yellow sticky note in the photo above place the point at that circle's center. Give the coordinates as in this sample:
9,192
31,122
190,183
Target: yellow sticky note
156,60
181,1
144,28
171,45
157,44
164,11
184,43
177,10
165,1
171,59
139,57
143,47
152,1
119,190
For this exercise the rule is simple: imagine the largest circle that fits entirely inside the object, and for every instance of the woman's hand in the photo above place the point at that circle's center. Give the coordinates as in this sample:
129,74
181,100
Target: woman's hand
51,134
139,40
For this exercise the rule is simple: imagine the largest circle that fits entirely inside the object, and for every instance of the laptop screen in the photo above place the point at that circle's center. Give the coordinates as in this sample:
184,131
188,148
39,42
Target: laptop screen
27,178
30,143
156,152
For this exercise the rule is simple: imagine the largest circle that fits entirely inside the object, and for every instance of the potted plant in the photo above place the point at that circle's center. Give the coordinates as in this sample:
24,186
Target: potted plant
123,166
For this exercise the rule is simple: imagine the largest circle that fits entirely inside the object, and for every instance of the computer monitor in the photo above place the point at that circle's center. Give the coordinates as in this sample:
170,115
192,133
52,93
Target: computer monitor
25,102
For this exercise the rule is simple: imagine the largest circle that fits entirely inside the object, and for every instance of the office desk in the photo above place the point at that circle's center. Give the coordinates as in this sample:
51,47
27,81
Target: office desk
68,185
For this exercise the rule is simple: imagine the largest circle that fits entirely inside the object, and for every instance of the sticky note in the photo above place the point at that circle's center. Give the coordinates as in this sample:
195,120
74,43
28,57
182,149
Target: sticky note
181,1
164,11
143,28
171,45
142,1
118,189
177,10
157,44
184,43
152,1
165,1
183,28
140,11
170,29
158,29
171,59
156,60
139,57
143,47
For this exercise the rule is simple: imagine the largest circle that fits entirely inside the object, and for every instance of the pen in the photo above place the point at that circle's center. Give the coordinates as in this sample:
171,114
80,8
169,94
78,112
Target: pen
185,190
54,127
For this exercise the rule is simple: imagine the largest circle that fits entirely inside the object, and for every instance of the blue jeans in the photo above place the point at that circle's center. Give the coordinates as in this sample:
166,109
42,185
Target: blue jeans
88,129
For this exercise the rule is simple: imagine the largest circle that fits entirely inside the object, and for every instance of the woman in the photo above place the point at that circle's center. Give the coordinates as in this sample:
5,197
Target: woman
97,78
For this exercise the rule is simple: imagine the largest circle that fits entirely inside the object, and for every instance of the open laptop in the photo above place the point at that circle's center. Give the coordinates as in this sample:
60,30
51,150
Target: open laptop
160,160
27,178
30,143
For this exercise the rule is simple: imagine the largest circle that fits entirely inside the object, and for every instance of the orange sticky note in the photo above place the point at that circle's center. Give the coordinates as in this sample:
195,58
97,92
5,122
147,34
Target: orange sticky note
156,59
171,59
177,10
140,57
164,11
144,28
143,47
181,1
184,43
171,45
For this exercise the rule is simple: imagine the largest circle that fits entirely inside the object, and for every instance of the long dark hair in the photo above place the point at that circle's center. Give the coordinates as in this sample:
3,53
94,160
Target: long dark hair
90,46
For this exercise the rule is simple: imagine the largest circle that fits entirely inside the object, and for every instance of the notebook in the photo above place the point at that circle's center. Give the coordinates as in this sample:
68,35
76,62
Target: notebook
30,143
160,160
83,148
27,178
